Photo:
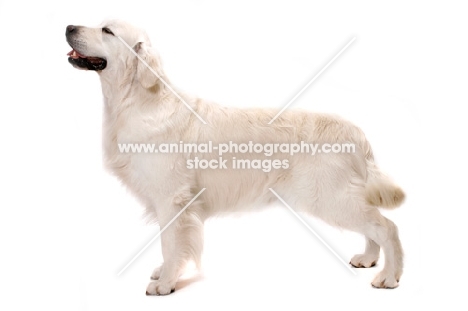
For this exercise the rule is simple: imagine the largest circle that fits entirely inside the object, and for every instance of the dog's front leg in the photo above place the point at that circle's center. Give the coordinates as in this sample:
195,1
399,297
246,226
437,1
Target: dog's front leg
181,241
166,276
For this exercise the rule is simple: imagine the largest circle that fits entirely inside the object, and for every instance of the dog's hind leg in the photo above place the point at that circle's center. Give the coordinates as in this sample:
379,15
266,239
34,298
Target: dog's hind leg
369,257
379,231
351,212
385,233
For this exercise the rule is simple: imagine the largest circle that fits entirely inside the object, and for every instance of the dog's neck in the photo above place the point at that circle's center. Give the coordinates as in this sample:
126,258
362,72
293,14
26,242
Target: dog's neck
127,97
126,91
115,85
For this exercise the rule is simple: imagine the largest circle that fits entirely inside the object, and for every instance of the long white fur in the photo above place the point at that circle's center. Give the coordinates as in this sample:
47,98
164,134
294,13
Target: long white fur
342,189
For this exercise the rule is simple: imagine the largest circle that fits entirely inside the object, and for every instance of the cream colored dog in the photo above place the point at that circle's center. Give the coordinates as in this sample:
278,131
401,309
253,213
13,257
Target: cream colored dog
343,189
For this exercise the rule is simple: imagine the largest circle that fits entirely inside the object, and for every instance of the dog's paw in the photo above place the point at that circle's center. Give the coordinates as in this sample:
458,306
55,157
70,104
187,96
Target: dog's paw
159,288
385,280
156,274
363,261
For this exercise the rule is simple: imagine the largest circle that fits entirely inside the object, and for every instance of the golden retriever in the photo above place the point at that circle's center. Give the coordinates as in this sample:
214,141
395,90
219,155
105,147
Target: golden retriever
344,189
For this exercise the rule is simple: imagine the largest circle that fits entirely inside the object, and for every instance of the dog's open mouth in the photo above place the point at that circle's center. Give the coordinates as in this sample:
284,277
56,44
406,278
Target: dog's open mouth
85,62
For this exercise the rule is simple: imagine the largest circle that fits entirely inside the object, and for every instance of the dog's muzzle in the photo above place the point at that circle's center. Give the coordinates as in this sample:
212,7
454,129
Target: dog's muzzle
77,59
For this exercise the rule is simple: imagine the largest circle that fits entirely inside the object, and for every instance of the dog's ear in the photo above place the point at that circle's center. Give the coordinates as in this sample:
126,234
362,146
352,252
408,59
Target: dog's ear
149,72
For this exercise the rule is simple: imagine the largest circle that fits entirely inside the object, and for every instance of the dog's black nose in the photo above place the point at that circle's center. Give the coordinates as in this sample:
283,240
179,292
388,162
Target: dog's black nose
70,29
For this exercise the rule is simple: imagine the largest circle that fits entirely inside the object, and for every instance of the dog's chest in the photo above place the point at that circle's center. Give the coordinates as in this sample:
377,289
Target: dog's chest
128,154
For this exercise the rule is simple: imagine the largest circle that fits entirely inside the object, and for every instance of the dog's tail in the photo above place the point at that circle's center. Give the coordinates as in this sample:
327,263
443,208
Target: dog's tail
380,190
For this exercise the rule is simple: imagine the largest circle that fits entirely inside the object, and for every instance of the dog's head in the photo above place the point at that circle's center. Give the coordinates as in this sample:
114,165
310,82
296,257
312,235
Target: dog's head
113,44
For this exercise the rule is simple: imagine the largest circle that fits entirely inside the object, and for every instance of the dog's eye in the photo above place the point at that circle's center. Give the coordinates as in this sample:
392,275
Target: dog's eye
107,30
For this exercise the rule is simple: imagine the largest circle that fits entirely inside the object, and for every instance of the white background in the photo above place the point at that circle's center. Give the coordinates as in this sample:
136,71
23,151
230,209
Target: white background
67,227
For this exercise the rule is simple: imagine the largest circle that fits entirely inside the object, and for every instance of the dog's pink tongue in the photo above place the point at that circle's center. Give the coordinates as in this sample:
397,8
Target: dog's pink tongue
74,54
